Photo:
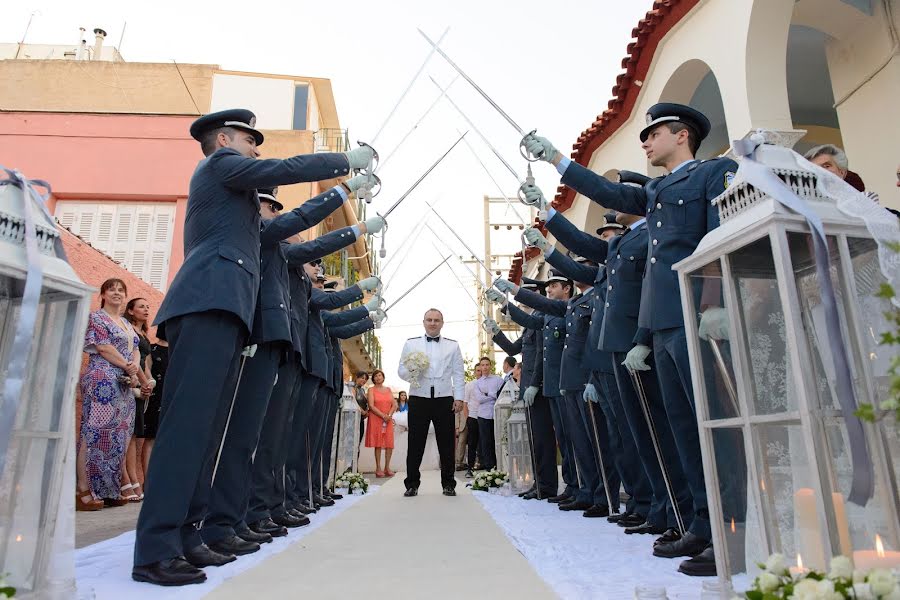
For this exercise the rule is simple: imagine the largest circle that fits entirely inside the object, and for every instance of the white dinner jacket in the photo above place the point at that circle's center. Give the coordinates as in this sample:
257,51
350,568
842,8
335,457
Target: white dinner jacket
446,372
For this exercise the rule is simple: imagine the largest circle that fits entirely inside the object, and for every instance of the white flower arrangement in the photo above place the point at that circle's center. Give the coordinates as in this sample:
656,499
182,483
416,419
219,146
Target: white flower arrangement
6,590
485,480
776,582
416,363
354,482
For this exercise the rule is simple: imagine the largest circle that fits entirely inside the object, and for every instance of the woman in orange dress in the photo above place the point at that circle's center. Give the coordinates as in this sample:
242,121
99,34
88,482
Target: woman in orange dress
380,428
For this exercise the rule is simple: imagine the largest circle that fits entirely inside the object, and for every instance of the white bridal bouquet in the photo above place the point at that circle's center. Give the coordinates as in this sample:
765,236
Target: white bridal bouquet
416,363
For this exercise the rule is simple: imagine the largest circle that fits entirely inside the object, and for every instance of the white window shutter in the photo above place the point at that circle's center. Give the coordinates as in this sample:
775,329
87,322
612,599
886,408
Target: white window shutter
160,245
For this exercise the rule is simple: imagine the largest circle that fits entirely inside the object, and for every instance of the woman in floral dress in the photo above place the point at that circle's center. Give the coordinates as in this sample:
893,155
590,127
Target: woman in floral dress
107,419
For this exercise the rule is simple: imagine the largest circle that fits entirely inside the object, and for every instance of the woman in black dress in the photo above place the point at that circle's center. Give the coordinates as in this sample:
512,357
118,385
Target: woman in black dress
159,362
137,311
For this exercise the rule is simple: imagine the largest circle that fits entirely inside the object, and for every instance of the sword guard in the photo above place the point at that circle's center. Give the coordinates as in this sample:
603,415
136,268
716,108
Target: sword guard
373,164
525,153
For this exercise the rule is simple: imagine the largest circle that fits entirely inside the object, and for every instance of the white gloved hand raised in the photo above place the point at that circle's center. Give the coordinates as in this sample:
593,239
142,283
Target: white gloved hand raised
635,358
249,351
359,158
506,286
540,147
534,196
369,284
534,237
492,326
378,315
590,394
713,324
355,183
495,297
530,394
373,303
374,224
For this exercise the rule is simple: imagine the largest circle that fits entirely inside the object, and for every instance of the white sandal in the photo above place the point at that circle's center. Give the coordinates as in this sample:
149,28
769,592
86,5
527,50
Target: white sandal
132,497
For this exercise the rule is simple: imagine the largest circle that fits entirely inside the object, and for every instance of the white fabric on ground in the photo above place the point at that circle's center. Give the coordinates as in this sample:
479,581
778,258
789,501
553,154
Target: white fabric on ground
103,570
585,558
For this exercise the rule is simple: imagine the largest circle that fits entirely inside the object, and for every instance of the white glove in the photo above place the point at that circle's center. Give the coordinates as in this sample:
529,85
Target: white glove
495,297
369,284
355,183
530,394
373,303
536,238
249,351
374,224
714,324
635,358
377,316
590,394
505,286
359,158
540,147
491,325
534,196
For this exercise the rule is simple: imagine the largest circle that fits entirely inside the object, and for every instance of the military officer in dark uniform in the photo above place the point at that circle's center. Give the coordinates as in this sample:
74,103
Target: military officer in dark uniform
679,213
541,420
208,315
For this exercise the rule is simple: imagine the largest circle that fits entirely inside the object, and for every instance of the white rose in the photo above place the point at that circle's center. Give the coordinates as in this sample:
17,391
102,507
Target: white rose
859,576
881,581
862,591
498,481
775,564
768,582
806,589
841,568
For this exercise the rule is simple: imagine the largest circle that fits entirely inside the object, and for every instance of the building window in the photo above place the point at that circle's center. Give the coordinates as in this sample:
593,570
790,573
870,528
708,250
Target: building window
301,100
137,236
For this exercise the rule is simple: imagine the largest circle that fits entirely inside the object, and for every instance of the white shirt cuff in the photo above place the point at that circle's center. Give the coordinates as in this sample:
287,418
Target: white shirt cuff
340,190
564,163
356,230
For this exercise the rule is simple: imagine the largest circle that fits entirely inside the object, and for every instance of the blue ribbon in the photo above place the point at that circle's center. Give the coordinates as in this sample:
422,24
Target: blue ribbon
761,177
17,370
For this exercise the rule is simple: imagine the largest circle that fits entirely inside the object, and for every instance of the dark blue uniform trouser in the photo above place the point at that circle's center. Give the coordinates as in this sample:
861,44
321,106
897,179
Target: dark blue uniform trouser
590,488
299,465
673,370
610,448
661,512
231,487
486,443
204,358
569,474
322,456
546,474
623,447
266,488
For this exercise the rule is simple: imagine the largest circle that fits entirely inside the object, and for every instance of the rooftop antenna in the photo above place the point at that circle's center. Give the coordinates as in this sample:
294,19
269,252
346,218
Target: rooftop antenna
121,37
27,27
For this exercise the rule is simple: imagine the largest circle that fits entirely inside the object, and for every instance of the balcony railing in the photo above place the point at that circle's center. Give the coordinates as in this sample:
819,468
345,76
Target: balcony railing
331,140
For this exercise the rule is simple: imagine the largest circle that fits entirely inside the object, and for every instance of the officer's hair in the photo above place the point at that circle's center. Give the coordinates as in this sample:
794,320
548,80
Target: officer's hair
831,150
208,141
511,361
434,310
693,137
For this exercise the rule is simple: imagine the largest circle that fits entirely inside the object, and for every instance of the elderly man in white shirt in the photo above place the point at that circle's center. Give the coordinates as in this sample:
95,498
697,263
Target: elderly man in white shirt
436,392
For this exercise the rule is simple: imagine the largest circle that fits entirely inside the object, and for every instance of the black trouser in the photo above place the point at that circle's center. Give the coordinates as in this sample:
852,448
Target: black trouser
546,473
474,451
296,488
267,490
322,460
231,487
486,441
423,412
204,357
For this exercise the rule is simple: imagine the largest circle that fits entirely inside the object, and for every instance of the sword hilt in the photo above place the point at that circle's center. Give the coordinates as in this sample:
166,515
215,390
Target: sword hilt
382,252
525,154
373,165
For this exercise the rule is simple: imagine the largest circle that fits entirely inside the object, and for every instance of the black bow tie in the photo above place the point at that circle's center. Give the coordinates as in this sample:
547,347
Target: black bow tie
432,339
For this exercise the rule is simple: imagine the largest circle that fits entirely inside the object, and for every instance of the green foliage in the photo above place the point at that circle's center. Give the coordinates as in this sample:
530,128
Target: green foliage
867,411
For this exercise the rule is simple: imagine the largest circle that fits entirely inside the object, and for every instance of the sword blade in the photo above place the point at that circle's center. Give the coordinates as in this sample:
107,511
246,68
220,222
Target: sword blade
461,241
600,464
416,284
474,85
533,452
424,175
726,378
463,286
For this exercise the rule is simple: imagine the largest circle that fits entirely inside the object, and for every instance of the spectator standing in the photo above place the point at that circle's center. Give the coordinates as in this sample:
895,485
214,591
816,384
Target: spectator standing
380,429
137,312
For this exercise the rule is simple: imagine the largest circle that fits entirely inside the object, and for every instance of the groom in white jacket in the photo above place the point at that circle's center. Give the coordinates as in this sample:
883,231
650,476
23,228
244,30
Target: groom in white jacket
433,366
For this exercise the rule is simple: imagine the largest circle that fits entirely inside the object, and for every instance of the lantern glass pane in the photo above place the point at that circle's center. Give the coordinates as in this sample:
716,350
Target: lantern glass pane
785,485
716,367
762,332
742,549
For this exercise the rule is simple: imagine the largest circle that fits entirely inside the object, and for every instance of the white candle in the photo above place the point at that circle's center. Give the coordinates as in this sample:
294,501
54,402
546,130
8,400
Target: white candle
840,517
806,523
879,558
799,568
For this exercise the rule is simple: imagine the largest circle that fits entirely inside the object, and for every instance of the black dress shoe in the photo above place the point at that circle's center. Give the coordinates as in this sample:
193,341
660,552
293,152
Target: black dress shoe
234,545
267,525
529,496
671,535
321,501
334,496
449,491
702,565
597,510
575,506
632,520
559,499
531,490
615,518
204,556
689,545
251,536
288,520
303,510
410,492
645,527
469,474
169,572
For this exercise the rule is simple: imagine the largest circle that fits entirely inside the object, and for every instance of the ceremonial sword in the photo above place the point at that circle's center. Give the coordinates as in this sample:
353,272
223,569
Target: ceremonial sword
502,113
723,371
600,458
426,276
654,437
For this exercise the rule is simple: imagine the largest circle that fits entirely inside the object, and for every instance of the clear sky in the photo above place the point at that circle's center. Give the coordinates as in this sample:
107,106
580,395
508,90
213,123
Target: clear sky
550,65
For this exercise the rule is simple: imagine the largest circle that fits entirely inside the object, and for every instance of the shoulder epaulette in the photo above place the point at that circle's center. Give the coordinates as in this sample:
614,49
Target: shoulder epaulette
450,339
415,337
